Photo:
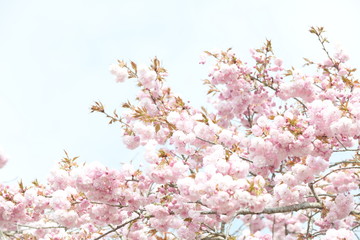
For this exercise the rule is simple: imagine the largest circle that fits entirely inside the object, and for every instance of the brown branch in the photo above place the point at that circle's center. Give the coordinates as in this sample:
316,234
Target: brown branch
299,101
344,162
311,185
113,228
222,230
207,141
283,209
335,170
346,150
341,143
213,143
309,225
318,31
116,228
271,87
33,227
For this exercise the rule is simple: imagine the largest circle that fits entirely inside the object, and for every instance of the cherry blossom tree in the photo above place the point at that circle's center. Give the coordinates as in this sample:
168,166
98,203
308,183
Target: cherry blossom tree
265,162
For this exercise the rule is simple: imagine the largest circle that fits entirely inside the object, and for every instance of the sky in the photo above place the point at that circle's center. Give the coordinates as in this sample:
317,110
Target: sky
55,56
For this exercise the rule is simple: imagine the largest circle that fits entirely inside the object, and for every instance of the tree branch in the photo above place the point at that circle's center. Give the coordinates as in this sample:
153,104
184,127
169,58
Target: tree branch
311,185
283,209
116,228
335,170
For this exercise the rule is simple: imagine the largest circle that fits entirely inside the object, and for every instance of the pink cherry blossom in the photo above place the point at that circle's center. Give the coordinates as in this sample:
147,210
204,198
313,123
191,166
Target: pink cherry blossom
3,160
267,155
120,73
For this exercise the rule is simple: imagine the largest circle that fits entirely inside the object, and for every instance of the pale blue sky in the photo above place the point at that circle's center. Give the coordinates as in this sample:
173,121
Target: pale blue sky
54,58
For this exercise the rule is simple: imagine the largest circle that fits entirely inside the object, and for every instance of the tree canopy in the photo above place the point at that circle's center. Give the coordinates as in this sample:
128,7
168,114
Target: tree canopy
263,163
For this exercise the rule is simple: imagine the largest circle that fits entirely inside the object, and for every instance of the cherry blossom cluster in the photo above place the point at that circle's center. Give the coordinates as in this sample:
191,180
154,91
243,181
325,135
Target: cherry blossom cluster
3,160
263,163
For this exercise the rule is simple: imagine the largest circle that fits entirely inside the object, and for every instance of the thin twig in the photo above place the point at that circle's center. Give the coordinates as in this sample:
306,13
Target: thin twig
212,143
344,162
116,228
335,170
308,226
32,227
311,185
346,150
113,228
222,228
341,143
207,141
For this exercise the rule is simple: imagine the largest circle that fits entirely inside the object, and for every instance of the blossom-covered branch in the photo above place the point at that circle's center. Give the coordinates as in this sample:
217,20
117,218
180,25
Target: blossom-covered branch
261,160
